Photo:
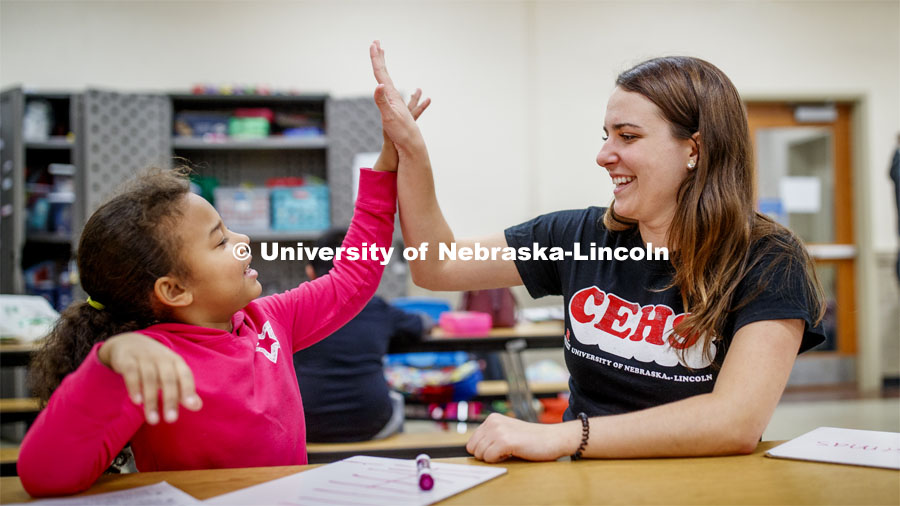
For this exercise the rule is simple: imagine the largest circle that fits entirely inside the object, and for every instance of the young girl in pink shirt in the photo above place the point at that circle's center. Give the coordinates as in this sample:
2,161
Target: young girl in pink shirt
173,308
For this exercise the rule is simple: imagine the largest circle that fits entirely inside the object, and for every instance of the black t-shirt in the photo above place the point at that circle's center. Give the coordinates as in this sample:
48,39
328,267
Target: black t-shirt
342,384
619,345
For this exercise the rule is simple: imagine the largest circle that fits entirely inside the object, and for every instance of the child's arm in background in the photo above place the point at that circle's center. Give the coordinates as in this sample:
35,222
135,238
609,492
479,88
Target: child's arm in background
421,218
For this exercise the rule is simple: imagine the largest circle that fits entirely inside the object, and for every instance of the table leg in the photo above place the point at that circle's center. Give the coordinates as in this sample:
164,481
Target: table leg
519,393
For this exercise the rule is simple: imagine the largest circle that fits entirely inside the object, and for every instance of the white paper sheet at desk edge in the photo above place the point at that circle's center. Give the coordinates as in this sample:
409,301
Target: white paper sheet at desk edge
309,487
843,446
158,494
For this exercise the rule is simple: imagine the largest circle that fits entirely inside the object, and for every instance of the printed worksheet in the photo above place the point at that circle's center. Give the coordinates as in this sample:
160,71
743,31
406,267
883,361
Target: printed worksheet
160,494
363,480
843,446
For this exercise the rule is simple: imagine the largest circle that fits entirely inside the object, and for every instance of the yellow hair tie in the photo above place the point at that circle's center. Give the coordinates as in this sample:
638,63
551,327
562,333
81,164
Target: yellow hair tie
94,304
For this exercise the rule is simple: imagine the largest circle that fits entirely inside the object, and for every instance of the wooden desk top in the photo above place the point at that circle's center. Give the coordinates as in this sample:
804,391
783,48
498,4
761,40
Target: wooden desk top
745,479
20,405
16,354
536,335
17,347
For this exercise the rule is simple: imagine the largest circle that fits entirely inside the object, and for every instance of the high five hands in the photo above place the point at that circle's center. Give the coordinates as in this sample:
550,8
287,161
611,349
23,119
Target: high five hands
398,119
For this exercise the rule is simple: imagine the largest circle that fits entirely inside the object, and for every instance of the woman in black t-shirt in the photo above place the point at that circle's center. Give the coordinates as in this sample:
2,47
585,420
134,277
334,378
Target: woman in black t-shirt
677,357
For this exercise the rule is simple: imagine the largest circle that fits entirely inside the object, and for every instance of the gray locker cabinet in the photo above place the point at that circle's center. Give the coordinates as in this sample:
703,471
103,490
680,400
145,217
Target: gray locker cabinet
20,157
12,163
354,126
18,245
123,133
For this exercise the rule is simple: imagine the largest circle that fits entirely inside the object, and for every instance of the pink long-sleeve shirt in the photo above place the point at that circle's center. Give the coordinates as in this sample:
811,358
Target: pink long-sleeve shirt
252,414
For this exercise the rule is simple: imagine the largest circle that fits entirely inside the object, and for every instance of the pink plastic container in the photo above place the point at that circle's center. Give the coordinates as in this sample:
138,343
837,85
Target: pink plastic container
465,323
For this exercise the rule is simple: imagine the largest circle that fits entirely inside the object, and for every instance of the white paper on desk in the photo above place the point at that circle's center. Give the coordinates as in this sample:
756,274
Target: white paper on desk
843,446
363,480
25,317
159,494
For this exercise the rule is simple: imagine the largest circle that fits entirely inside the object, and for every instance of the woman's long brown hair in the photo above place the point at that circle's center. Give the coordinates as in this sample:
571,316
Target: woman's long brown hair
715,223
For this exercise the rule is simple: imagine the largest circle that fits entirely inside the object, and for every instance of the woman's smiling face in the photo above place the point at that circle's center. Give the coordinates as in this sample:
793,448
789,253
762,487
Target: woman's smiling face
645,161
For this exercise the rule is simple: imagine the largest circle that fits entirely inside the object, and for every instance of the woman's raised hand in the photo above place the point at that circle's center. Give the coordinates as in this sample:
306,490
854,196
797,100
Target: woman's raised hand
149,367
397,117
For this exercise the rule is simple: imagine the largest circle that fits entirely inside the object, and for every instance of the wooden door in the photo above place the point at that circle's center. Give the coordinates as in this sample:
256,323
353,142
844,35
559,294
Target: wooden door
804,179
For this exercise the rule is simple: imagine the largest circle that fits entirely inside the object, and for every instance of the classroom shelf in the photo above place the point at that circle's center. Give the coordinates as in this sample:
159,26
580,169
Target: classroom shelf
48,237
51,143
249,99
277,235
317,142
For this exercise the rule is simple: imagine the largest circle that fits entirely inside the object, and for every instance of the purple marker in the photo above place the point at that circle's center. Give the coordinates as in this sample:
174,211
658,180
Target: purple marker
423,468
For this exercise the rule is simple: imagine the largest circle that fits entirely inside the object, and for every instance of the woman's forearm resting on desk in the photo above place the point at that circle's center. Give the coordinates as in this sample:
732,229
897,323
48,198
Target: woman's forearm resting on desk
729,420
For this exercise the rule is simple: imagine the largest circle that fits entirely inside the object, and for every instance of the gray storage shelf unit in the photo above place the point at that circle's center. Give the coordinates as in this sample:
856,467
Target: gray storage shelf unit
318,142
350,126
24,164
117,134
234,162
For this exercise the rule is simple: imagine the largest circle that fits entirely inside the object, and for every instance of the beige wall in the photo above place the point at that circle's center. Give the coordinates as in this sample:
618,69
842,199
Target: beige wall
519,87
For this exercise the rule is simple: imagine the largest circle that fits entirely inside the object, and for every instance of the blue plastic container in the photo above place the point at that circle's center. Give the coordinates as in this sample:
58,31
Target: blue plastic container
301,208
433,307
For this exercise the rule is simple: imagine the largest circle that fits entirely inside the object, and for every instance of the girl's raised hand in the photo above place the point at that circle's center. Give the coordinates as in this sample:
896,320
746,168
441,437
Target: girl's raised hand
149,367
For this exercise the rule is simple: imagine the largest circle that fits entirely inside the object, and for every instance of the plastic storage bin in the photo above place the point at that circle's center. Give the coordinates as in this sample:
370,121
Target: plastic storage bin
248,128
431,306
201,124
466,323
302,208
441,385
243,208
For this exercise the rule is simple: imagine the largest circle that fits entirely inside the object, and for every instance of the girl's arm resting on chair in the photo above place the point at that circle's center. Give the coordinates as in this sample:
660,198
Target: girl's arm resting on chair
87,422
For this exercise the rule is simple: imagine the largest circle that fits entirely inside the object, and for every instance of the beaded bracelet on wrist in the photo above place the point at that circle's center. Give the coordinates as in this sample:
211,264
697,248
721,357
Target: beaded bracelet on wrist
585,434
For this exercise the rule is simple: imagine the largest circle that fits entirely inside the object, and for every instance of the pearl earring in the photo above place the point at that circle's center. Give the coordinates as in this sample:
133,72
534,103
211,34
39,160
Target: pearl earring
691,163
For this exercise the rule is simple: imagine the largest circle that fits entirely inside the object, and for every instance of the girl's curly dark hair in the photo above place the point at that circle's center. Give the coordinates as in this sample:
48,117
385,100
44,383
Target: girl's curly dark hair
125,246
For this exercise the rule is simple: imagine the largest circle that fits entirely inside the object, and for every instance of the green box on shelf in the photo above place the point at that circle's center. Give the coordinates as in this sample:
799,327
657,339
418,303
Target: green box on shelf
300,208
248,128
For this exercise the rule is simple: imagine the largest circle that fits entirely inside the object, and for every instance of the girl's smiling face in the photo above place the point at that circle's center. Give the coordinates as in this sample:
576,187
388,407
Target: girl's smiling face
219,283
645,161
